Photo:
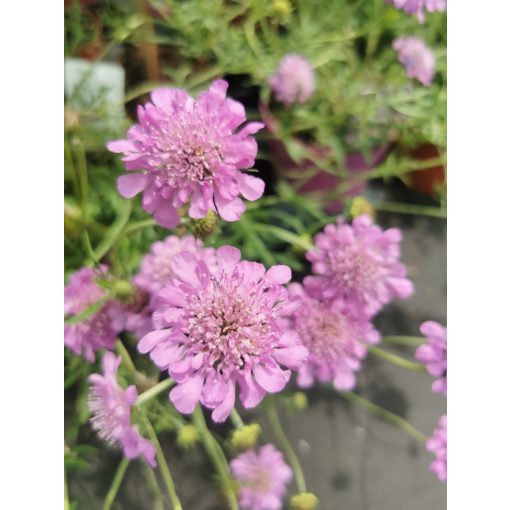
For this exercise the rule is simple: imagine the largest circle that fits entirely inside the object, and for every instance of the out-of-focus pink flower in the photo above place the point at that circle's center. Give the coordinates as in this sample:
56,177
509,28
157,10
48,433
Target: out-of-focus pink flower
437,445
335,337
433,354
190,151
358,264
220,326
100,330
294,81
156,271
419,7
110,407
417,58
262,478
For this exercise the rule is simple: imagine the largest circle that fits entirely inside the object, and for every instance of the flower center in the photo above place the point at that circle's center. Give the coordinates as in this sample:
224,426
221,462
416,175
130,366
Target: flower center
230,322
355,270
187,149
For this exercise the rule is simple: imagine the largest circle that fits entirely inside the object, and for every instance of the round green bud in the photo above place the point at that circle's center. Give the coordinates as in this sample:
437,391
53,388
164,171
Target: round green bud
246,437
282,8
299,401
204,227
304,501
361,205
188,436
123,290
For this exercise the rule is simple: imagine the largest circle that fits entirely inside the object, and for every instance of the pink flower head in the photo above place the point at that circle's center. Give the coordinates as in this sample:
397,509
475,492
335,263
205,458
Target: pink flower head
190,151
110,406
433,354
417,58
262,478
335,339
419,7
437,445
359,264
156,271
220,326
100,330
294,81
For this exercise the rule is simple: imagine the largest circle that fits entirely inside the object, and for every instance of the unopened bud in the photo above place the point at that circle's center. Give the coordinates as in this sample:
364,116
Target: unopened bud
304,501
188,436
204,227
299,401
123,290
360,206
246,437
282,8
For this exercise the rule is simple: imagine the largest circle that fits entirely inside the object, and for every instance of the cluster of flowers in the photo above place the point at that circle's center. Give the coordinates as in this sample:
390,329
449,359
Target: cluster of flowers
434,356
214,322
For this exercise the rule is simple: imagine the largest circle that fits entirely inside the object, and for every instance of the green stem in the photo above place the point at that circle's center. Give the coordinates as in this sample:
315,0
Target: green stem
91,310
154,391
117,480
124,354
284,235
137,225
236,420
67,506
272,415
383,413
403,340
418,210
396,360
154,487
218,460
162,463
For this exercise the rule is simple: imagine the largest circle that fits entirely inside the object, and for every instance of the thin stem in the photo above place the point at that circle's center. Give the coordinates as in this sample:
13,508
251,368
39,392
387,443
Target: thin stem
124,354
383,413
137,225
114,232
117,481
67,506
154,391
162,463
403,340
396,360
236,420
154,487
213,450
418,210
272,415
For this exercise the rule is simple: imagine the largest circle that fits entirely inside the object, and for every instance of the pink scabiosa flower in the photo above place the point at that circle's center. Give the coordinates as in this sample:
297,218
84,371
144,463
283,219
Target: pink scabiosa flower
220,326
294,81
155,269
437,445
335,337
419,7
433,354
100,330
262,478
110,407
417,58
190,151
359,264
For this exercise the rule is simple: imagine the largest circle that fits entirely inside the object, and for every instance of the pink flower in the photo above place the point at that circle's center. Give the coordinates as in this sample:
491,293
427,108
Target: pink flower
222,325
437,445
100,330
190,151
417,58
419,7
262,478
294,82
358,264
155,269
433,354
335,338
110,406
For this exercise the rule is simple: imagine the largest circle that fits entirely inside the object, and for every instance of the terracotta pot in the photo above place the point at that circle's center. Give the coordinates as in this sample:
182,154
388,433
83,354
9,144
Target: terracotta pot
429,180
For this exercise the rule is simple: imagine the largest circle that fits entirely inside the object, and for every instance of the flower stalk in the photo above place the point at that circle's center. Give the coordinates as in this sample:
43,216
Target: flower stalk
396,360
116,483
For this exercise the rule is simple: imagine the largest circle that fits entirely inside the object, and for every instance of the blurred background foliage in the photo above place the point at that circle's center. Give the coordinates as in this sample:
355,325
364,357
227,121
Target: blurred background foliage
366,127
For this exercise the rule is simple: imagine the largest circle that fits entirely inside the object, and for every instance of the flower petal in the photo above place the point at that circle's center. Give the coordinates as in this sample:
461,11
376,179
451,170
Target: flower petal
251,187
130,185
185,396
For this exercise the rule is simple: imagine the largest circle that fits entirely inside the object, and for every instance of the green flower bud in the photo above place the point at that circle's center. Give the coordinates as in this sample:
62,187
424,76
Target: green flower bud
304,501
361,205
188,436
123,290
204,227
299,401
246,437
